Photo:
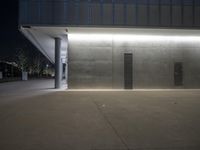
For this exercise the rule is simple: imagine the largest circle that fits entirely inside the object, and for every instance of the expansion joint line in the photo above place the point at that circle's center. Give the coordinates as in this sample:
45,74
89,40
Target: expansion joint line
113,128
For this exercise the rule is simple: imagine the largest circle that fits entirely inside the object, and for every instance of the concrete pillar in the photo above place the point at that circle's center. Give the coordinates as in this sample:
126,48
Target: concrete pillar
58,64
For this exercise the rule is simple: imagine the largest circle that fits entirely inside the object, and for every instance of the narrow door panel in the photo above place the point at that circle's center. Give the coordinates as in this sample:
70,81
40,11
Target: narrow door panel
178,74
128,71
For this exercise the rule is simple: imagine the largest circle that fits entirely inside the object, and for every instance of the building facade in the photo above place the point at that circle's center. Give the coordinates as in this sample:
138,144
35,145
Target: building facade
117,44
9,70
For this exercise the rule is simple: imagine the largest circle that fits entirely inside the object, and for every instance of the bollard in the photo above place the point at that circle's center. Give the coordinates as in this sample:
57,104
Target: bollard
1,75
24,76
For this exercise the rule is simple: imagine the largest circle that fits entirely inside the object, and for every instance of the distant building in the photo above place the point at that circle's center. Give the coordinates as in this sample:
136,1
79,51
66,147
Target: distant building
117,44
9,69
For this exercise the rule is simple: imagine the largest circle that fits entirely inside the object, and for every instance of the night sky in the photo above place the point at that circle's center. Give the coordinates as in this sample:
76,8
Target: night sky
10,38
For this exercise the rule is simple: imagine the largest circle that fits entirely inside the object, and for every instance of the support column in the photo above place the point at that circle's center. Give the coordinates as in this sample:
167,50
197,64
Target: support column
58,63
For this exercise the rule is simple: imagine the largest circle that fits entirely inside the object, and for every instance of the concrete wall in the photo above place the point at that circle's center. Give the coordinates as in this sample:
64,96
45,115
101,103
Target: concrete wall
97,60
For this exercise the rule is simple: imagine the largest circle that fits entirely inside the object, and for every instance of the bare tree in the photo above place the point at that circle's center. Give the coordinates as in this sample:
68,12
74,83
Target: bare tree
22,60
31,61
37,64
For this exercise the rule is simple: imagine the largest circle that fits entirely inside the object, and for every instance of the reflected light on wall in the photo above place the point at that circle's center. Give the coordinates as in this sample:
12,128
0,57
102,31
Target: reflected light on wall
89,37
132,37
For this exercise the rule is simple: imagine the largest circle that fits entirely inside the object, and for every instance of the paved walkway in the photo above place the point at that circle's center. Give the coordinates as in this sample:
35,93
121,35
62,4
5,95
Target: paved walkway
98,120
15,91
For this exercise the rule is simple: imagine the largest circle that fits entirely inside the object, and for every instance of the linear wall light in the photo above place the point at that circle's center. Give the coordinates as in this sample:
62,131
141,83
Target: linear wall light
132,37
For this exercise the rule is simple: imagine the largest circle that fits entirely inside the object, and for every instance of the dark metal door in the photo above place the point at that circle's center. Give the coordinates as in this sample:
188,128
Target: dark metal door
128,71
178,74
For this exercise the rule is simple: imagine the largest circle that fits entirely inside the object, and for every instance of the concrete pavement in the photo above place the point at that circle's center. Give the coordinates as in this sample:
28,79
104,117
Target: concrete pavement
99,120
12,91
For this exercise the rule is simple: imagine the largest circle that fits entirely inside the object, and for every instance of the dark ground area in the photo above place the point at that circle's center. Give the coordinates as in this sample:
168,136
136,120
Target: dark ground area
34,116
